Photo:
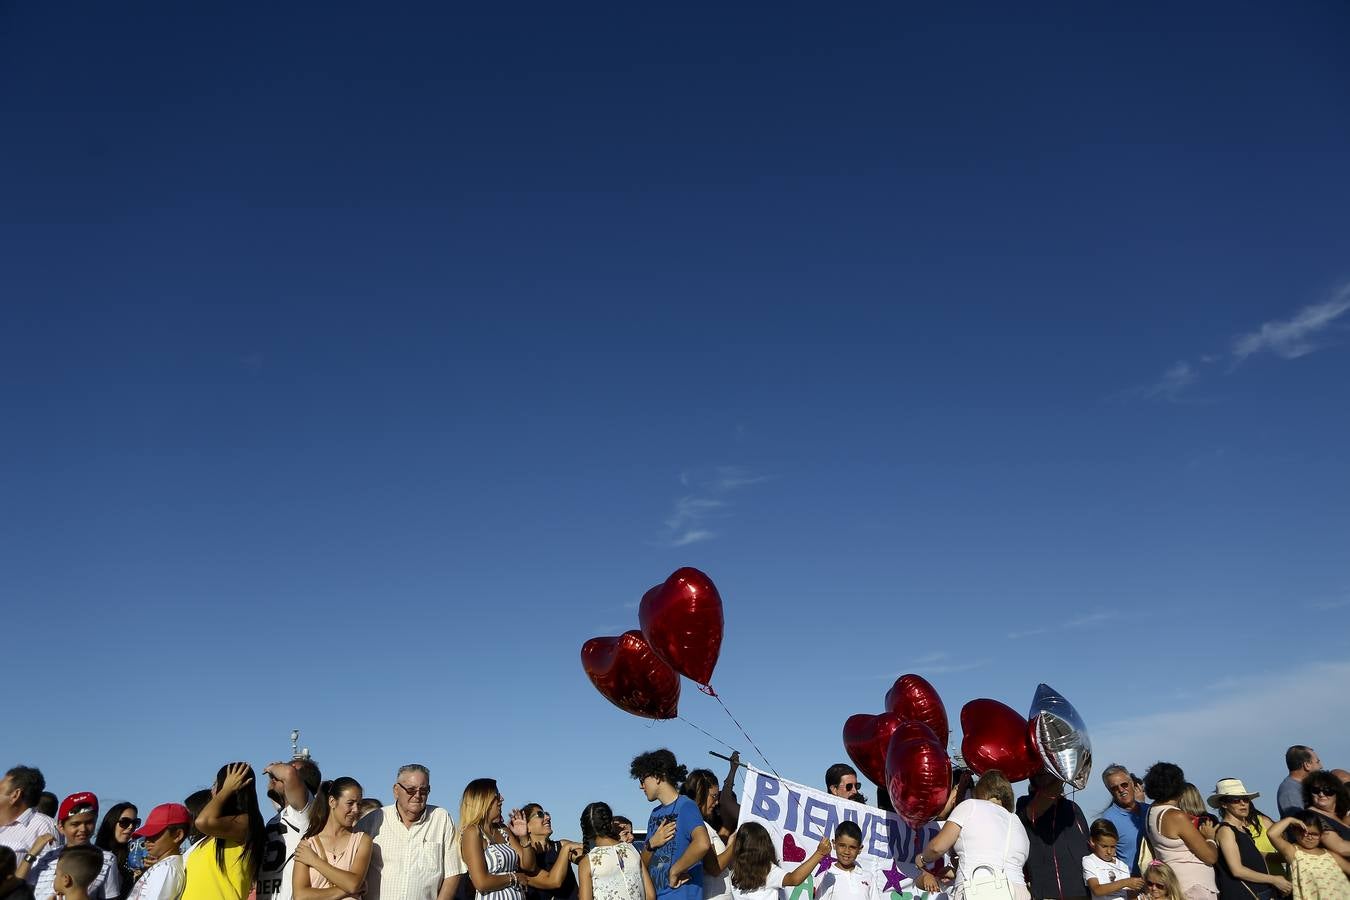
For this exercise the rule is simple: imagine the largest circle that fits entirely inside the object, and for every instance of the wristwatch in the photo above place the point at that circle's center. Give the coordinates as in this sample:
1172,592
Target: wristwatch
29,858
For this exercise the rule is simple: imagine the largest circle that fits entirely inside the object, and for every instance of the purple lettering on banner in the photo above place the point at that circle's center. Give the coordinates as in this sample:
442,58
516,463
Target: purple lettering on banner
764,804
794,801
878,837
818,818
849,814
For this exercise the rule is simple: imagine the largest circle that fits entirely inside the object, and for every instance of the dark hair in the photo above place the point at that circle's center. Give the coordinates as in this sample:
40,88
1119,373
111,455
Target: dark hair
1325,781
1103,828
82,863
622,820
1297,756
1164,781
835,774
107,832
528,809
697,785
1305,819
309,773
660,764
848,829
195,803
754,857
370,804
244,802
597,820
9,864
29,782
48,804
318,810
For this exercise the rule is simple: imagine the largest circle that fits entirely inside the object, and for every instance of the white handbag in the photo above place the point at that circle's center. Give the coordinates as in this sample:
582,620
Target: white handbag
993,884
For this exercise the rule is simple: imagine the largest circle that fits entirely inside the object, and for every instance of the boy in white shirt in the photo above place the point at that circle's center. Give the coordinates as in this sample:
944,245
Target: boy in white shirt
845,879
163,831
1106,876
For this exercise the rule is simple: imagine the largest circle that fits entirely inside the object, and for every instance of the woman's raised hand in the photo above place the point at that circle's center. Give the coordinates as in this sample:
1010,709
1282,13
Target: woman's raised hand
237,777
517,824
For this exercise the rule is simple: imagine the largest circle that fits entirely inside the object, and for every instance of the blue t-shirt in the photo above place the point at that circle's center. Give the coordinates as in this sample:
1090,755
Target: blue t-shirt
1129,825
687,820
1289,797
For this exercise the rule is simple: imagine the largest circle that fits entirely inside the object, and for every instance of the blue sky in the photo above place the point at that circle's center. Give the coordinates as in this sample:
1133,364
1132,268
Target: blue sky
359,364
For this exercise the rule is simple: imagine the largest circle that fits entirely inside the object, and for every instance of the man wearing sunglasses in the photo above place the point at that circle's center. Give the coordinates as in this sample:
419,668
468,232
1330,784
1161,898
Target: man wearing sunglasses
842,781
416,854
1126,813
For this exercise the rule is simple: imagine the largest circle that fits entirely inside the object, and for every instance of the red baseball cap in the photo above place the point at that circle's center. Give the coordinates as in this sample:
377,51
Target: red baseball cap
164,816
77,803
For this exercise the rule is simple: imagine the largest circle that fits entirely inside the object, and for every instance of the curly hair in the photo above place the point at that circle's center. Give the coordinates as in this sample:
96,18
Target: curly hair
1164,781
1324,781
659,764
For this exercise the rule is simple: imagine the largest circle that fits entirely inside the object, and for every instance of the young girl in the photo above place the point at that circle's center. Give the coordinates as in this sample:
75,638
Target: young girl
611,869
227,865
1160,883
755,873
1105,875
333,854
1317,873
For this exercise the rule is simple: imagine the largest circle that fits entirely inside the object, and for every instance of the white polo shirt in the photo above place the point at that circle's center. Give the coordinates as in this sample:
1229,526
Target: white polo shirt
857,883
410,862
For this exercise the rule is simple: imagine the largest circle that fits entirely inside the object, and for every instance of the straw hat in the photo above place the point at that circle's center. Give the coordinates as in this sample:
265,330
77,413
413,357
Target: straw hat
1227,789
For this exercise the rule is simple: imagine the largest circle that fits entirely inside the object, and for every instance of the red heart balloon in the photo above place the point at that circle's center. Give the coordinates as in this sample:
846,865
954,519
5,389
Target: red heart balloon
866,738
995,737
918,773
682,620
630,675
912,698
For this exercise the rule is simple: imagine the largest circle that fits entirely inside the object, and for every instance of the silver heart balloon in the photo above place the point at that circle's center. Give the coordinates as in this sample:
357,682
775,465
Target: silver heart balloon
1060,737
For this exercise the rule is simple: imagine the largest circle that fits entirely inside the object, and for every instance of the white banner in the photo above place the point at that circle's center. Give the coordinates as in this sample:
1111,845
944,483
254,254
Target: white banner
797,817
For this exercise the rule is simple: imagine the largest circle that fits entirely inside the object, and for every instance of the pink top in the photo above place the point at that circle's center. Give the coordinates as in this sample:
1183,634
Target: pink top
341,860
1195,877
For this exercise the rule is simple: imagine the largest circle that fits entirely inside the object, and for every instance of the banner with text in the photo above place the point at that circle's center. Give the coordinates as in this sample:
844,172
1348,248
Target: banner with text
797,816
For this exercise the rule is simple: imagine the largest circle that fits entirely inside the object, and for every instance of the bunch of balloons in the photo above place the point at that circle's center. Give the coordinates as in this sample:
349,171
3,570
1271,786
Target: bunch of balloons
679,633
904,748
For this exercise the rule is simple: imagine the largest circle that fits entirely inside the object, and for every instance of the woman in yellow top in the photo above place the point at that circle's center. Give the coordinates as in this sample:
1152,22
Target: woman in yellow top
227,864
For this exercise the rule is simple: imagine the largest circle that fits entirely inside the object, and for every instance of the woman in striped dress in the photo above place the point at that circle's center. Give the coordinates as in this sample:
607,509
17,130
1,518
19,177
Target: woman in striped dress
496,859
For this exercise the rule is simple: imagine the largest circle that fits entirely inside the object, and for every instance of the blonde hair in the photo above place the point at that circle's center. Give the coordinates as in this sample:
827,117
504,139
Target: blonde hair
1169,878
479,795
1191,801
995,787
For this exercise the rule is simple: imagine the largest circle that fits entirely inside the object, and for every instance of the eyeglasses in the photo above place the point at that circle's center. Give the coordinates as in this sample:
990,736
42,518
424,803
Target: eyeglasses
539,814
1121,788
124,822
415,791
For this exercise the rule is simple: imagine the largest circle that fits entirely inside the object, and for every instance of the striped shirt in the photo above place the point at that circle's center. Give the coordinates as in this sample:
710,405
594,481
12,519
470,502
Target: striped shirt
107,884
20,834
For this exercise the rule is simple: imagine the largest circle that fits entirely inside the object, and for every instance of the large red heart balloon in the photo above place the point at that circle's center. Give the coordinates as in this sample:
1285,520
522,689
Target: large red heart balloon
866,738
913,698
630,675
918,773
682,619
995,737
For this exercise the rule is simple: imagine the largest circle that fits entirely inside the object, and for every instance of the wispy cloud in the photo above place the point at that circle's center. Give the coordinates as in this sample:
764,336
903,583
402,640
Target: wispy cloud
1295,337
1333,603
1083,620
707,499
928,664
1299,335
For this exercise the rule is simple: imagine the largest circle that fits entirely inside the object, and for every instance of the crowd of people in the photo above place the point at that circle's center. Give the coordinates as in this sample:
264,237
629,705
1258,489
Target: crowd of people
1159,839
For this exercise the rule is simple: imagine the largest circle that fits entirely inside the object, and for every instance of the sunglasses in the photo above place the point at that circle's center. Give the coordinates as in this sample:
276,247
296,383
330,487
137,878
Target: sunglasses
1322,792
1154,886
849,787
125,822
539,814
415,791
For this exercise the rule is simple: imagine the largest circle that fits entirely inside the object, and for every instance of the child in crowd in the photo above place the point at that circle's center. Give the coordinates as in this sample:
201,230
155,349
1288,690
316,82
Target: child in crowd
1160,883
1316,873
164,832
77,819
1105,875
845,879
623,829
76,869
755,873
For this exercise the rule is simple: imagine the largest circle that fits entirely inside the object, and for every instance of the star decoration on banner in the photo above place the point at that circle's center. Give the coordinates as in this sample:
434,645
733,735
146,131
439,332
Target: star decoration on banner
826,861
893,879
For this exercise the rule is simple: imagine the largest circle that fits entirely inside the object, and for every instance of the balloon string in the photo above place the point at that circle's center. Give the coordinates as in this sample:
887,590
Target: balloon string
713,736
741,728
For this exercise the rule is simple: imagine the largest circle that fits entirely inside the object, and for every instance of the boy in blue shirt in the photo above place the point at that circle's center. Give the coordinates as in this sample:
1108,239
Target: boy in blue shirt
676,837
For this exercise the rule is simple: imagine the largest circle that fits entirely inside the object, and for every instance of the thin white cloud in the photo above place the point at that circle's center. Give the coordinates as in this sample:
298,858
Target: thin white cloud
1294,337
707,499
1228,729
1299,335
1083,620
